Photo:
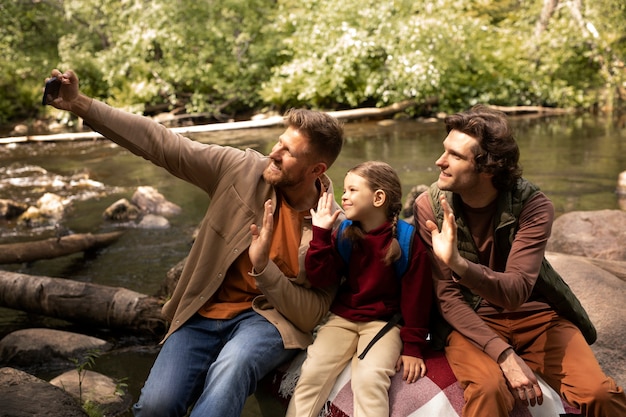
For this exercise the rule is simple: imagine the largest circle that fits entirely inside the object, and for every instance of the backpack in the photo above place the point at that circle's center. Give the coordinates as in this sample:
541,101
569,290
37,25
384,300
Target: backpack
406,231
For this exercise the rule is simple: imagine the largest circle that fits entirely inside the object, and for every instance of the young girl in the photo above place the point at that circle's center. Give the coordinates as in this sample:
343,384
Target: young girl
367,298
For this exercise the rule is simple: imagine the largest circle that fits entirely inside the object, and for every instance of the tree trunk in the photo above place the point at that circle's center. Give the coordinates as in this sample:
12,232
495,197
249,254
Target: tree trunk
549,6
11,253
82,303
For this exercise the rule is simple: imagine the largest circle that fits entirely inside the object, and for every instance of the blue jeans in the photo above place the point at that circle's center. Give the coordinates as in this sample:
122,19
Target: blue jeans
214,363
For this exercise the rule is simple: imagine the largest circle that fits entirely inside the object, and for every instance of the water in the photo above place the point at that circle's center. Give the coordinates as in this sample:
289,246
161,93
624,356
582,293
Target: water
575,159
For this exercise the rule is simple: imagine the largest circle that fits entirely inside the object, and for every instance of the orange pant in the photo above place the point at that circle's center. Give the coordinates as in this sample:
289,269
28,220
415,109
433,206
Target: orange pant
553,348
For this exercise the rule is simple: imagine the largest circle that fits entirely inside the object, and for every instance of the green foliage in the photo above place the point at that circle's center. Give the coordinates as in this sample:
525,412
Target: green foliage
460,52
87,362
207,56
369,51
92,409
223,58
28,33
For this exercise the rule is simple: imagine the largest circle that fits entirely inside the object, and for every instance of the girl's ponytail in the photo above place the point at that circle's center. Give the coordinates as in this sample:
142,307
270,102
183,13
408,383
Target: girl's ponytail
393,251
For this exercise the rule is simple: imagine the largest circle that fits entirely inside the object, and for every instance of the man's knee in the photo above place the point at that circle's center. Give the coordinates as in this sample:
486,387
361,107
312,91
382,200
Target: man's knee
607,398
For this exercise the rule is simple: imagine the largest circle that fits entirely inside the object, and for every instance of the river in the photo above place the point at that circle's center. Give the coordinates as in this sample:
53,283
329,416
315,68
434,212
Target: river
574,159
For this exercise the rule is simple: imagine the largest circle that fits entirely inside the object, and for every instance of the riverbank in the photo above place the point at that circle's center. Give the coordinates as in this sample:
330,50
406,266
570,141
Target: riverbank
600,287
40,130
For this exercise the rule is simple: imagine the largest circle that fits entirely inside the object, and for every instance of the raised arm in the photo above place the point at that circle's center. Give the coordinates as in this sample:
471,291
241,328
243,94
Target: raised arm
301,304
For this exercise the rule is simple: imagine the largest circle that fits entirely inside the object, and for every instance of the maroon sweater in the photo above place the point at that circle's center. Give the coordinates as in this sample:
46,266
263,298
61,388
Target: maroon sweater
371,290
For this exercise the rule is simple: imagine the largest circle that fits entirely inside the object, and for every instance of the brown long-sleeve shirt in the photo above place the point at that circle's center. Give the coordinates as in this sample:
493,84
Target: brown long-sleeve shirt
505,285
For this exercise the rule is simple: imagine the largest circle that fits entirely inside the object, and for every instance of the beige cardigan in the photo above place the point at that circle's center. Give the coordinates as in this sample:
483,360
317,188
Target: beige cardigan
233,180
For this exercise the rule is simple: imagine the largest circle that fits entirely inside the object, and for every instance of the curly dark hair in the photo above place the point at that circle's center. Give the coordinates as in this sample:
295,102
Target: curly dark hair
497,152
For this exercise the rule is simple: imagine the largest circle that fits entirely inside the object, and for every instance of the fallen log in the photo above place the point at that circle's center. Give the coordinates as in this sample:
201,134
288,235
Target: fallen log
533,109
11,253
82,303
214,127
352,114
378,112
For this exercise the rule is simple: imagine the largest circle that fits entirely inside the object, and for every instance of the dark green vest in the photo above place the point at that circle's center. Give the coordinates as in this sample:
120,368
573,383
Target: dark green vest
549,284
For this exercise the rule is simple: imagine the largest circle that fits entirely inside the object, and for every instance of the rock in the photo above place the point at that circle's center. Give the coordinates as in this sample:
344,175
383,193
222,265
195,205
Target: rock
10,209
50,209
29,348
19,130
149,200
148,205
603,295
621,190
407,209
104,392
122,210
621,184
171,279
52,205
23,395
152,221
596,234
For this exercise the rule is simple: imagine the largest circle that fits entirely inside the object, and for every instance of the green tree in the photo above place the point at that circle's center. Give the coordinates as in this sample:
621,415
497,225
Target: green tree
230,57
460,52
365,52
582,46
28,34
205,56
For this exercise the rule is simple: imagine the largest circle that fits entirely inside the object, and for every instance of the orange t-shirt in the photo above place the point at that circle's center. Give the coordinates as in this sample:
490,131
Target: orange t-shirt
236,293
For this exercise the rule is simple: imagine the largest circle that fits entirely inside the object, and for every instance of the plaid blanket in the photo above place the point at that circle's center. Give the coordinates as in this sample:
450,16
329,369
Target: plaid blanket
435,395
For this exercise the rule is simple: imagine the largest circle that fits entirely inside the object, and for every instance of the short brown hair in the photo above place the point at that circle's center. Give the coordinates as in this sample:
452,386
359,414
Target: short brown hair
325,133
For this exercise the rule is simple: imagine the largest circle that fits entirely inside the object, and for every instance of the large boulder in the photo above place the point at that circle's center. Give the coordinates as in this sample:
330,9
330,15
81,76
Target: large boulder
23,395
594,234
604,297
31,348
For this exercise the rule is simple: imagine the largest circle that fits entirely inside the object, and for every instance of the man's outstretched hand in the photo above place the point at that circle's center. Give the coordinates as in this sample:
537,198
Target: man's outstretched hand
69,97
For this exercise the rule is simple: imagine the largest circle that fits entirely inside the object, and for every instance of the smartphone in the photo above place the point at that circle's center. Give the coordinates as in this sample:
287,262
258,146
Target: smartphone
51,91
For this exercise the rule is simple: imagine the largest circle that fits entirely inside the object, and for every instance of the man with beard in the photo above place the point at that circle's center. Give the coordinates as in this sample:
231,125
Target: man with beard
511,314
242,305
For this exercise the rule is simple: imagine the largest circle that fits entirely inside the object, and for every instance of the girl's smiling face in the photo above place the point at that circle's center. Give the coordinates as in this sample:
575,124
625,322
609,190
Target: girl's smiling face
358,198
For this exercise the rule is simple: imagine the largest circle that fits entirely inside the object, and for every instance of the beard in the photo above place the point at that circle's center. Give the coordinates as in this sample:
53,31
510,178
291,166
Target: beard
278,177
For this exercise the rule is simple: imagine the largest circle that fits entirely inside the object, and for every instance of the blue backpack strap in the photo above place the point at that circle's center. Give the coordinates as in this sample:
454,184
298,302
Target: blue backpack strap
406,231
344,245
